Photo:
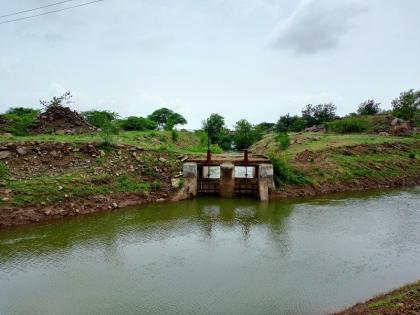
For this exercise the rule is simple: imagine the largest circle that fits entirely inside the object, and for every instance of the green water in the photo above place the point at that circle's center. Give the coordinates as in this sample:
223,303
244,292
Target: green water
215,256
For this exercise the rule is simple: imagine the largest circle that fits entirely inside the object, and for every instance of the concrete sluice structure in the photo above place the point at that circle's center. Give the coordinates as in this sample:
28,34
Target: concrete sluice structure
229,175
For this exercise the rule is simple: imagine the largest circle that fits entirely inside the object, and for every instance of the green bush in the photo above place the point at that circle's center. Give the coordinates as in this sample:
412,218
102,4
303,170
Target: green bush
19,120
134,123
349,125
174,135
98,118
4,171
283,140
407,106
284,174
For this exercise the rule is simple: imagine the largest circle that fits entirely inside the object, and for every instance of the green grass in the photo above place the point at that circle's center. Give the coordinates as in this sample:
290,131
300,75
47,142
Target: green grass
184,142
46,189
394,299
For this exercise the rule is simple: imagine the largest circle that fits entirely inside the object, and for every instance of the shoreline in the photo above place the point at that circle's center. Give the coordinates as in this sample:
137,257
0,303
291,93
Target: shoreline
101,203
404,300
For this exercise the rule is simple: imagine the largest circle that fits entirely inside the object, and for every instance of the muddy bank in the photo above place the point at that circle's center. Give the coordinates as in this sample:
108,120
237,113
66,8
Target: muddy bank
405,300
36,213
48,180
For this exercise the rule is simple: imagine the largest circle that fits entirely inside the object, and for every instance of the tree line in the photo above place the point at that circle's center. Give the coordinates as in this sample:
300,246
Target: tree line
244,134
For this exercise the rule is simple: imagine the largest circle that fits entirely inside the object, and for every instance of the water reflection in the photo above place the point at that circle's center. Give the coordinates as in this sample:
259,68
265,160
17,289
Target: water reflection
213,255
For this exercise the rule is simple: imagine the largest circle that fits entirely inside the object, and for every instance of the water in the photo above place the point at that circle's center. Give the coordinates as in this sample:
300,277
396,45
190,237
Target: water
215,256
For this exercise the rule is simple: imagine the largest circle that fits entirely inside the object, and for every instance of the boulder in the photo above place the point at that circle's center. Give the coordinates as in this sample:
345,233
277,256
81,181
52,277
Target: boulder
402,129
395,121
175,182
22,150
383,134
4,154
316,128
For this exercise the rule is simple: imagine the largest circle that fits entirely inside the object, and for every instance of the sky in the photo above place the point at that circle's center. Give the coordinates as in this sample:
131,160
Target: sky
244,59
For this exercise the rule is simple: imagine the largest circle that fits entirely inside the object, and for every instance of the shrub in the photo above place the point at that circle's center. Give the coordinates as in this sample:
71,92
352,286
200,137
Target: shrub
98,118
290,123
284,174
19,120
412,155
407,105
4,171
369,107
319,114
245,134
348,125
107,134
174,135
134,123
283,140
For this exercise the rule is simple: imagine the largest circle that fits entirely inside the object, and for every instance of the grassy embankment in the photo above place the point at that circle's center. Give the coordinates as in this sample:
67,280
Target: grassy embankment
331,159
65,168
405,300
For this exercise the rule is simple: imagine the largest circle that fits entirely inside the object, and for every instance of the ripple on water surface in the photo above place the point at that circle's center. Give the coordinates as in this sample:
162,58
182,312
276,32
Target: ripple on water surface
215,256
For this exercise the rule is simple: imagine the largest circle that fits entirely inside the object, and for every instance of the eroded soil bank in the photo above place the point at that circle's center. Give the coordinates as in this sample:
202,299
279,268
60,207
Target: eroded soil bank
49,180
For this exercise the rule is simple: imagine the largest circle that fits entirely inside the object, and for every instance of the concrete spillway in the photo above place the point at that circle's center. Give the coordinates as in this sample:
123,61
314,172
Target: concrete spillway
229,175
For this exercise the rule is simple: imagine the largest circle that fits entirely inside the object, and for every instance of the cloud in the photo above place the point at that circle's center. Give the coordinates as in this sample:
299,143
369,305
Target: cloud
316,25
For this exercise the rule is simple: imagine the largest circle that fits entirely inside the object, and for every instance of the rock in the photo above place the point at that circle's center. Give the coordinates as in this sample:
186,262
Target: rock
395,121
115,205
160,200
60,187
102,153
47,212
7,191
5,198
402,129
4,154
162,159
22,150
383,134
175,182
316,128
60,132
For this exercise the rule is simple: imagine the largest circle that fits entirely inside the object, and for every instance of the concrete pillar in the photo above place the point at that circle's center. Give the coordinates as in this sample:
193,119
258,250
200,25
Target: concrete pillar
265,180
227,180
190,173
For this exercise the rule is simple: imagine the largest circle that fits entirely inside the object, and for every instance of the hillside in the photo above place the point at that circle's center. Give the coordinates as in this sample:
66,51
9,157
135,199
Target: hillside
324,163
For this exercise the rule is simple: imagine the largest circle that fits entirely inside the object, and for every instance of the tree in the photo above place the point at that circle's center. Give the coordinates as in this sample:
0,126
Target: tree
137,124
217,132
214,126
166,118
369,107
290,123
100,118
407,106
245,134
57,101
21,111
173,120
318,114
263,128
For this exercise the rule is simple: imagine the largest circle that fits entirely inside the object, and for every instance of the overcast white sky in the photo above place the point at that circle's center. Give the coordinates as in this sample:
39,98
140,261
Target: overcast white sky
252,59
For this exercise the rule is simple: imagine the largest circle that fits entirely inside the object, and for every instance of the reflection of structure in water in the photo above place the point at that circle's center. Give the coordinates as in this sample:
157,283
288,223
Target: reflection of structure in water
230,175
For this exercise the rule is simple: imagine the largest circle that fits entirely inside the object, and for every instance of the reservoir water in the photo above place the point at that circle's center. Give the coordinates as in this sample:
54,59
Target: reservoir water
215,256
